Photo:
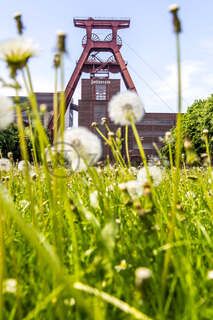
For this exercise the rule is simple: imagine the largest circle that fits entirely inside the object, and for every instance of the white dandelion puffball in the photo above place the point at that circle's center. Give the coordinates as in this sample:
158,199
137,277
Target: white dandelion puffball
210,275
155,172
23,166
7,114
133,187
125,105
93,197
142,274
173,7
10,286
16,52
82,147
5,165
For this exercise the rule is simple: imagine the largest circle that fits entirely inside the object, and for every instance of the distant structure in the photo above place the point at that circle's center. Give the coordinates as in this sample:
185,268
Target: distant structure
92,45
47,99
100,58
95,96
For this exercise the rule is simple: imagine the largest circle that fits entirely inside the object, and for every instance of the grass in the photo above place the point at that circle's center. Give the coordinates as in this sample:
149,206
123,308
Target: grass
67,255
75,261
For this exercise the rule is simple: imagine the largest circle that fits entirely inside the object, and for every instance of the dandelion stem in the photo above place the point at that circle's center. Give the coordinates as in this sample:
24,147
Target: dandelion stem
140,147
1,263
112,144
125,307
55,106
29,78
25,81
127,144
176,175
62,98
207,150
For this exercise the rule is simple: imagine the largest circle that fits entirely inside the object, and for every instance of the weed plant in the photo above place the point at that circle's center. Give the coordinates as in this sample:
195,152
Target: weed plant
107,241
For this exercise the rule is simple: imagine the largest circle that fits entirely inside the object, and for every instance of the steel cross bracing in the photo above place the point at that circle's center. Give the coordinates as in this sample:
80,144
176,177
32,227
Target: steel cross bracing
92,45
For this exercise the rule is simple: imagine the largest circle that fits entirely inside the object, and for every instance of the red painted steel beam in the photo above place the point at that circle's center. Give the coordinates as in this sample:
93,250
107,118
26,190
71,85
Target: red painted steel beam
72,84
101,23
124,71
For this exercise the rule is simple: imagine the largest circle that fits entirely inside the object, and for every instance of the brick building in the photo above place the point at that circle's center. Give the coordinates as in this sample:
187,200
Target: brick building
47,99
95,95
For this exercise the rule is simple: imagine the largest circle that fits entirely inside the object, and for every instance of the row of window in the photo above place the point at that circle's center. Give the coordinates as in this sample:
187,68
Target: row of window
158,122
100,111
100,92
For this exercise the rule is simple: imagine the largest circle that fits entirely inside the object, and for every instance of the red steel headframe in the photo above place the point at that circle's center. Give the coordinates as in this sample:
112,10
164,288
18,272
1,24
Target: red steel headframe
92,43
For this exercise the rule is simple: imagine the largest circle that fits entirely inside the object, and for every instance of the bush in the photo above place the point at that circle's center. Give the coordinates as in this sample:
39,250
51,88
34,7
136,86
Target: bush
9,142
198,117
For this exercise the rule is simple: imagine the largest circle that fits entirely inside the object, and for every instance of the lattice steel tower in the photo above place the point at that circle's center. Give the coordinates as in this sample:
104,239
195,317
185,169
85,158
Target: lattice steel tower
90,62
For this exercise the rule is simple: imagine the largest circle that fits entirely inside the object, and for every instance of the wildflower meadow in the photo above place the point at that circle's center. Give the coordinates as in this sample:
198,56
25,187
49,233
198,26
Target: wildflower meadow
87,238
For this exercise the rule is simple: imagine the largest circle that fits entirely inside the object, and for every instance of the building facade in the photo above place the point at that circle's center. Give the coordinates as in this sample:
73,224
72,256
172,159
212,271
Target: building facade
95,96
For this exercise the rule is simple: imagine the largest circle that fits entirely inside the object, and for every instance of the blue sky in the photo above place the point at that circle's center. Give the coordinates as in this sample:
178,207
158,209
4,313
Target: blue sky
148,46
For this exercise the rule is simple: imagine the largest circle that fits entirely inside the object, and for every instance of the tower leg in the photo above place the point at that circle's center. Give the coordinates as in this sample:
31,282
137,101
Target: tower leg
72,84
124,71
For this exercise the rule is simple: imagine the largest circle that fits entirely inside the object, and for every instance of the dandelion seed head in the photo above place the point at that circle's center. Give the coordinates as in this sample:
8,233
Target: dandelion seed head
7,115
205,131
93,197
124,106
111,134
142,274
61,43
104,120
110,188
23,165
168,136
17,15
5,165
16,52
10,286
61,33
24,204
133,187
133,171
85,147
70,302
10,155
190,194
210,275
187,144
94,124
174,7
155,172
33,175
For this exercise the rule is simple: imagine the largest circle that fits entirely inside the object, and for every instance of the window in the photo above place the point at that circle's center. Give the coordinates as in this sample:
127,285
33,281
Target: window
146,145
100,92
158,122
151,133
99,112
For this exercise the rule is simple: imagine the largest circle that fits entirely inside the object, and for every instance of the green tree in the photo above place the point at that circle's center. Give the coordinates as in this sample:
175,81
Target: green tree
198,117
9,142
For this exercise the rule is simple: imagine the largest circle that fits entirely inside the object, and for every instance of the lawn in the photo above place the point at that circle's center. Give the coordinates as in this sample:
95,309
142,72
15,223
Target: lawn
70,241
84,239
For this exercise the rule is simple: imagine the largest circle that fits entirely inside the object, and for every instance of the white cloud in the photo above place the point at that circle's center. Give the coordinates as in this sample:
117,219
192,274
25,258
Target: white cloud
40,84
197,83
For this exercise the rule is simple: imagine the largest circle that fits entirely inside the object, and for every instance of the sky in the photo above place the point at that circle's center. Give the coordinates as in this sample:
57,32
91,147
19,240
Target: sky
148,45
